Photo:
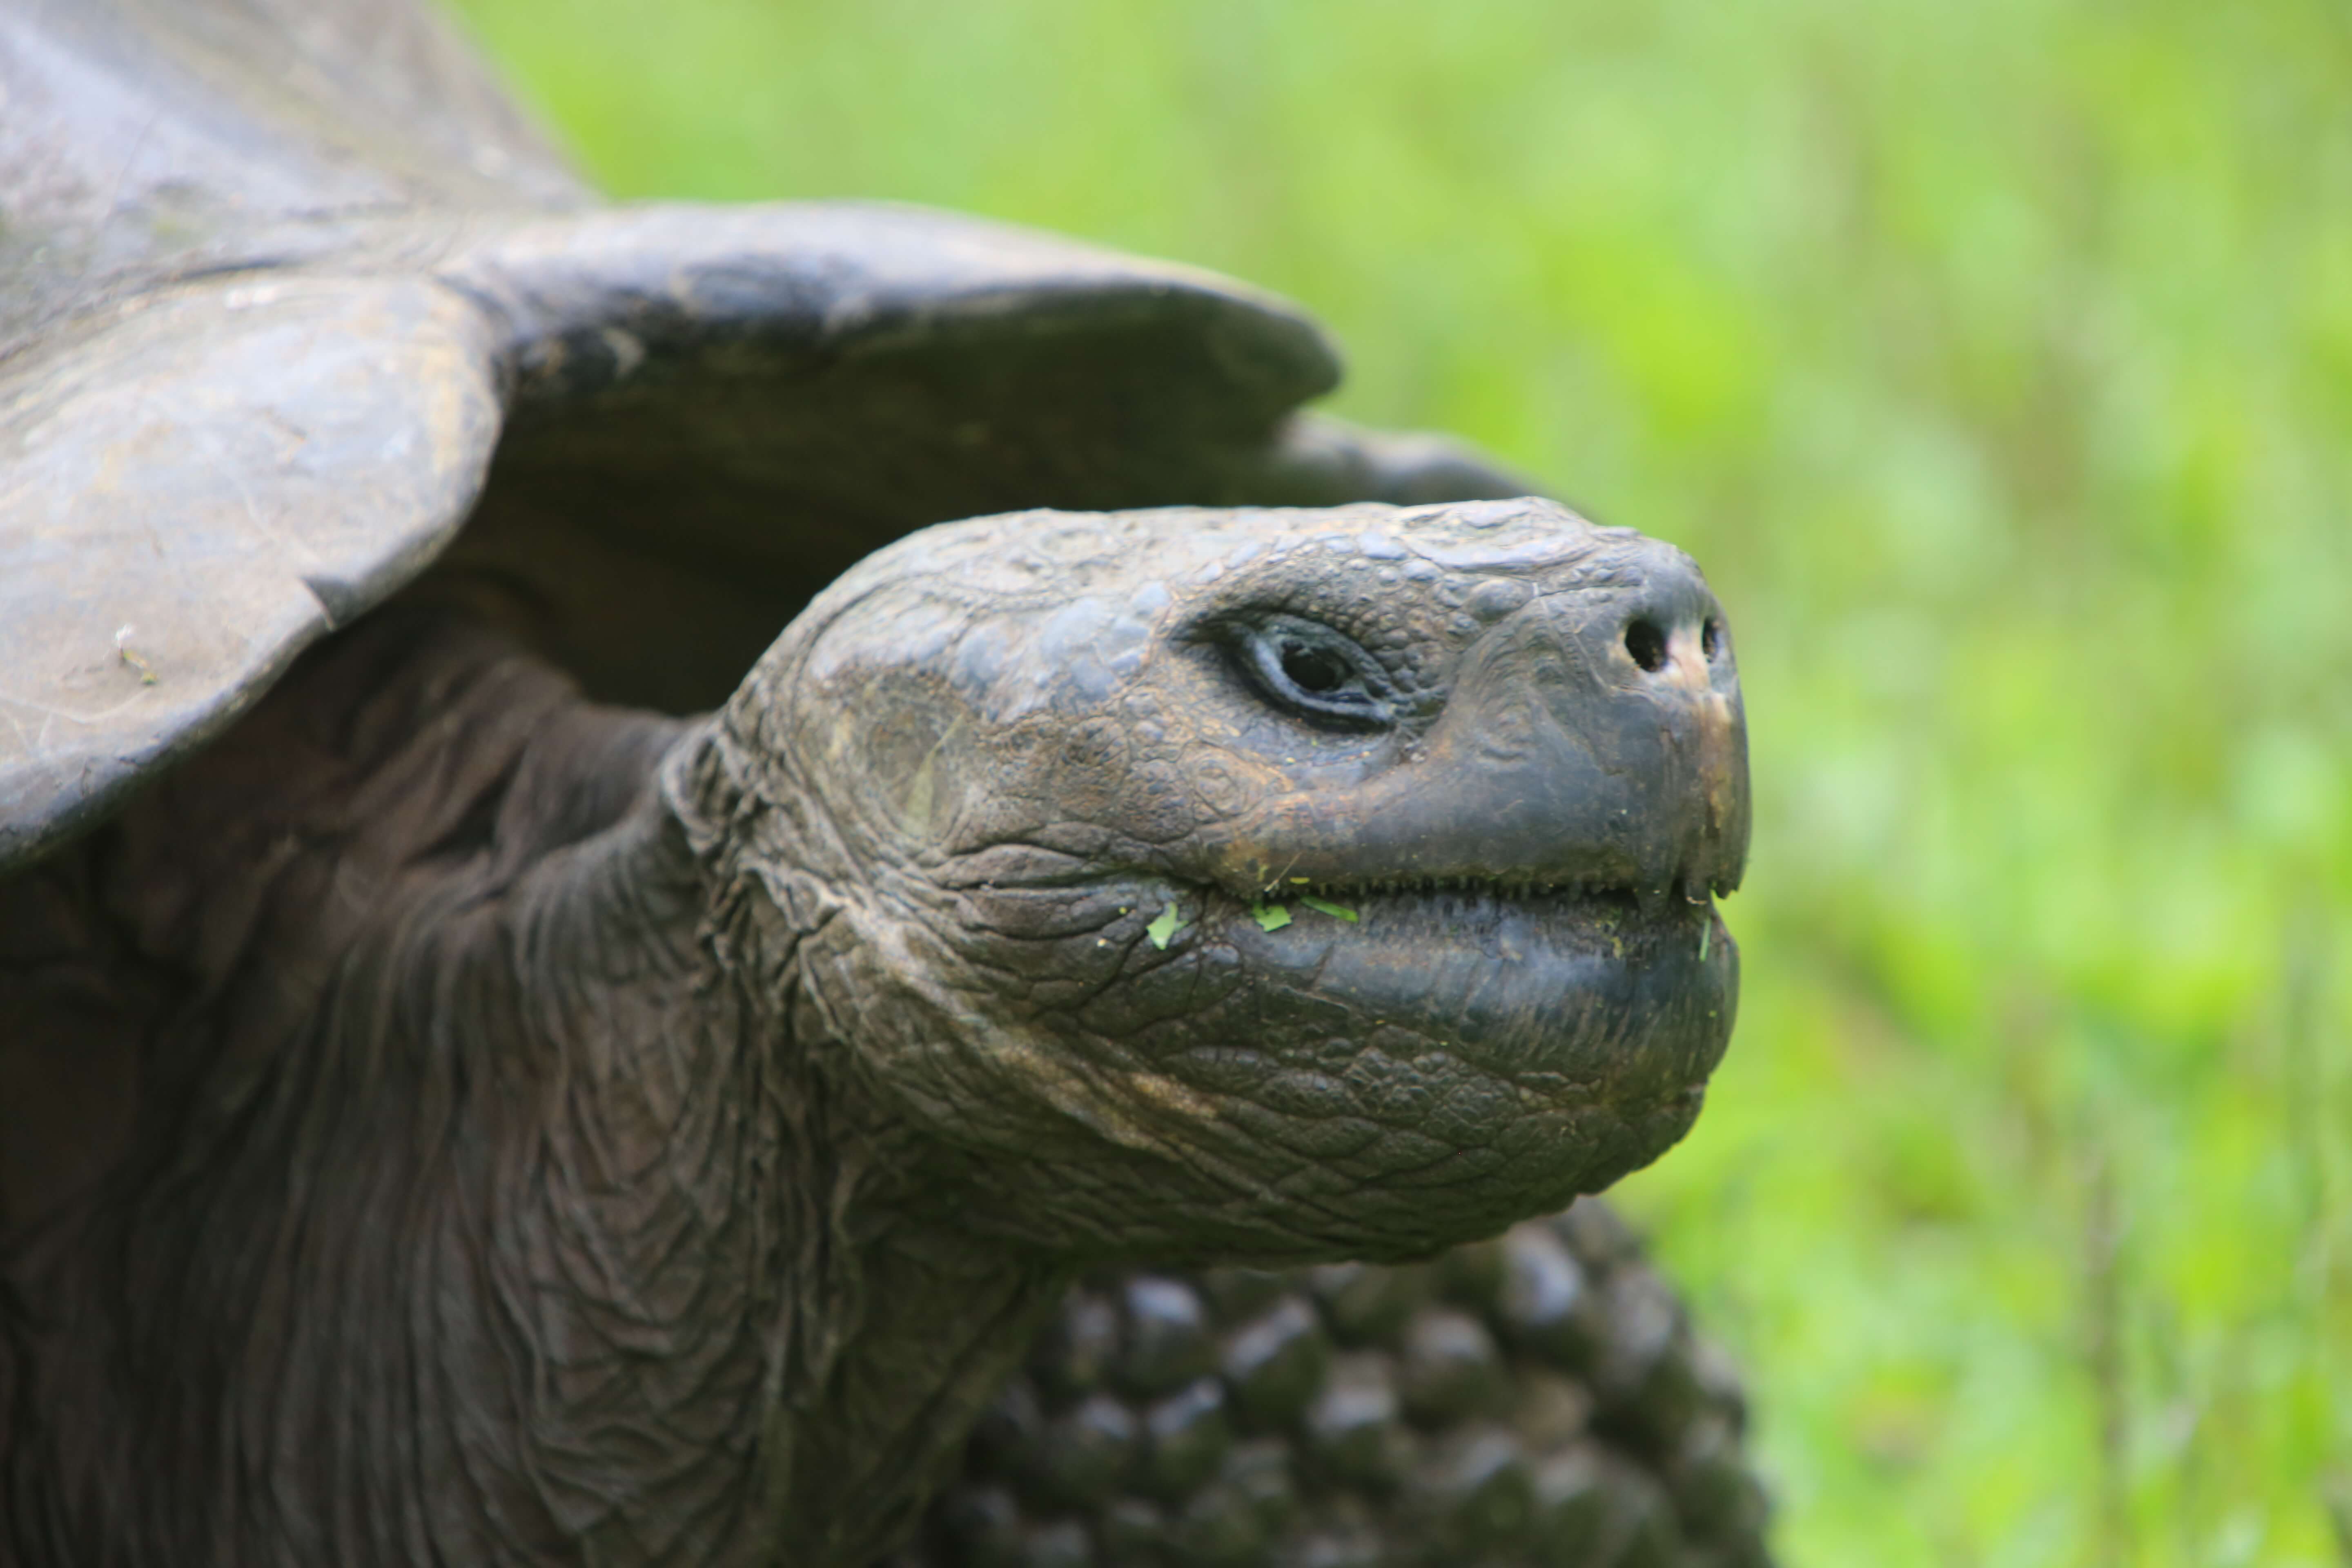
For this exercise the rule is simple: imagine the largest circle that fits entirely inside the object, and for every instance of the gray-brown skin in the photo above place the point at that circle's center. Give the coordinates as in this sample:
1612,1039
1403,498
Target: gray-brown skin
572,1135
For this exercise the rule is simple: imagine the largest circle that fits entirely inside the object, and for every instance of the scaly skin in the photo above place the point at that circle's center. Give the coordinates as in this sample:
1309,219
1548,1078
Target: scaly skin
1536,1401
568,1135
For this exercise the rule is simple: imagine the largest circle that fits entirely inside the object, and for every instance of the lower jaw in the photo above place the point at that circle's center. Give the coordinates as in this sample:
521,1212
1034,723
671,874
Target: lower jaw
1431,1071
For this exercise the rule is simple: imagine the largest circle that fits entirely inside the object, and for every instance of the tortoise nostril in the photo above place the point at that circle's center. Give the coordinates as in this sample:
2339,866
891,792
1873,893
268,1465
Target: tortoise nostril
1710,641
1646,642
1314,669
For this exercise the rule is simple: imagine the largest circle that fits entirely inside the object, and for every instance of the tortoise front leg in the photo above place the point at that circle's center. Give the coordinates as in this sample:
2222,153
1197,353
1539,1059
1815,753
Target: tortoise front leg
1537,1399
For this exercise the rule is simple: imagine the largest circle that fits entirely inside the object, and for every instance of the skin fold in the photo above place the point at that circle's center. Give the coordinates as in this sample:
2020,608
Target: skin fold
563,1132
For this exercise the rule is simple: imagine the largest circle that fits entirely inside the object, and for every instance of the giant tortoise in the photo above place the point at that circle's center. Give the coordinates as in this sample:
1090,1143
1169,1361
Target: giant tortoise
483,1079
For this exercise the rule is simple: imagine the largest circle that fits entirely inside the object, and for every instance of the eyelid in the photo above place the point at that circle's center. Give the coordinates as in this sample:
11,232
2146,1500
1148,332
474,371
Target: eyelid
1255,643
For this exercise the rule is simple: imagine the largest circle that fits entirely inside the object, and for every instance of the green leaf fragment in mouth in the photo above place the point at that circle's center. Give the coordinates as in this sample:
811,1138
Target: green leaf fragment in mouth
1325,906
1165,925
1270,917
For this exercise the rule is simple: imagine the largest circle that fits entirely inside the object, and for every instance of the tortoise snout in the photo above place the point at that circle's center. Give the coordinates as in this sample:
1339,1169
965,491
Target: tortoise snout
1642,743
1675,713
1670,628
1686,650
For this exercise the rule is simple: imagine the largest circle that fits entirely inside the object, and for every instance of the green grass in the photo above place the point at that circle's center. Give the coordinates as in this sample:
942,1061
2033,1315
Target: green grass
1996,359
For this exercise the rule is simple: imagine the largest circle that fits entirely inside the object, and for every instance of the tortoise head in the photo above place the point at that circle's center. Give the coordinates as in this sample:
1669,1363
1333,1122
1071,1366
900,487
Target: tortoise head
1282,883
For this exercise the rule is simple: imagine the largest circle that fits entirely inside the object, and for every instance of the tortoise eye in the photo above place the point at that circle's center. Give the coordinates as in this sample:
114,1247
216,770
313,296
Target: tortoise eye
1313,671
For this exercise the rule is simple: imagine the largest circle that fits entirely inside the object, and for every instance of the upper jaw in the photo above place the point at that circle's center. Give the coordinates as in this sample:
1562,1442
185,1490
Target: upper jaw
1552,761
1570,820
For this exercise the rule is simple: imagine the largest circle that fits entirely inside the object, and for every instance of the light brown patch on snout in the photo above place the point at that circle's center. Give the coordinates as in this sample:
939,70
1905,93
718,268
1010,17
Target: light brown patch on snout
1713,721
1723,773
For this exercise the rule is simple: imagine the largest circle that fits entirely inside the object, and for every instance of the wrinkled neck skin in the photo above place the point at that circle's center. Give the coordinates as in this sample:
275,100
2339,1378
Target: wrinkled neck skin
497,1194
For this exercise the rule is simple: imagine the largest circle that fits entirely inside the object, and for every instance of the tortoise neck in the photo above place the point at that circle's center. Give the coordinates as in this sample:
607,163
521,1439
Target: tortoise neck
897,1323
761,1331
503,1215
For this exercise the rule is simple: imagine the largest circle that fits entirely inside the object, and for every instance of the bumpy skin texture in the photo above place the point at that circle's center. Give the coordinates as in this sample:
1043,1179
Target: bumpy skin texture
1533,1400
493,1127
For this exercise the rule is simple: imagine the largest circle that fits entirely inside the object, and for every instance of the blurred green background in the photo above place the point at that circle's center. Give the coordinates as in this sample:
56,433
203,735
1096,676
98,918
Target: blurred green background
1996,359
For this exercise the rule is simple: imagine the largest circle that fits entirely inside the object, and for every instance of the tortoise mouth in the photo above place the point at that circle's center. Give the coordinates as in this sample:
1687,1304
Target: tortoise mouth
1577,992
1499,915
1560,983
1467,903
